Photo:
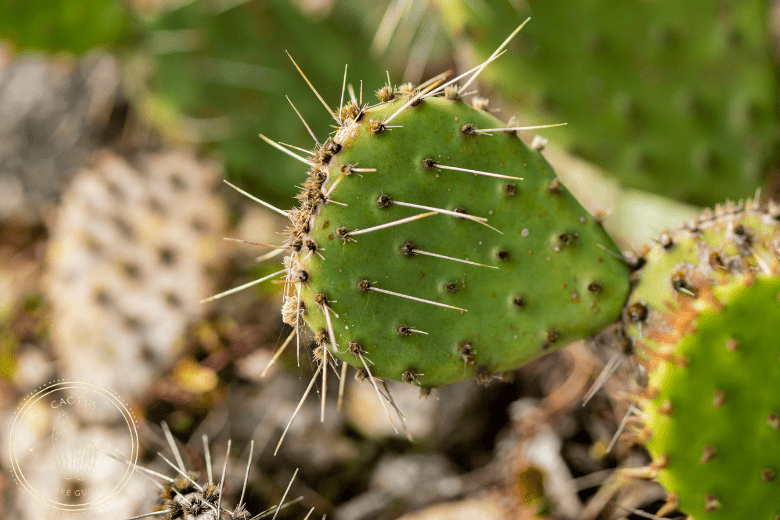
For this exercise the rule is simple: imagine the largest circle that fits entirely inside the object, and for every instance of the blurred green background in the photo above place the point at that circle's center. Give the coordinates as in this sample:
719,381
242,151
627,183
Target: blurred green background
675,98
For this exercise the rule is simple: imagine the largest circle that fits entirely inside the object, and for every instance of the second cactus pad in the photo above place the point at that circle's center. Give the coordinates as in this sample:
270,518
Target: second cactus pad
704,314
714,419
434,246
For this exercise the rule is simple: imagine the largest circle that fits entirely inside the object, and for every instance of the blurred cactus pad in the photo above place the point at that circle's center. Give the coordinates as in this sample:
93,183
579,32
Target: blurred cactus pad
219,75
677,98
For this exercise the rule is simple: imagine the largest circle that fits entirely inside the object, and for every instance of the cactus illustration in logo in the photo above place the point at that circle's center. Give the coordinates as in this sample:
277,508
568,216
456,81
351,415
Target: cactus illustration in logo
74,457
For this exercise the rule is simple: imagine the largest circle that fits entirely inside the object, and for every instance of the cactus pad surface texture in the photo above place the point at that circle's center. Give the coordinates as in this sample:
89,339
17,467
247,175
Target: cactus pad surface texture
537,275
706,314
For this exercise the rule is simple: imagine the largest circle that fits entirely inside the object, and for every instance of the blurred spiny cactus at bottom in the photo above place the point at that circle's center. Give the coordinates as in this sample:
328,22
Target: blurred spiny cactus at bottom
189,495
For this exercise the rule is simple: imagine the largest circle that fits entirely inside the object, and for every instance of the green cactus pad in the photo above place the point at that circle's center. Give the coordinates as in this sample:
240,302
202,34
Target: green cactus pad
733,240
554,283
714,420
704,315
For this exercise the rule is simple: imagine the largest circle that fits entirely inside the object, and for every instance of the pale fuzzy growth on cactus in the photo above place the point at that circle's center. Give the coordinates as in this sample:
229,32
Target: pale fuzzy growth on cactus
128,261
291,311
432,245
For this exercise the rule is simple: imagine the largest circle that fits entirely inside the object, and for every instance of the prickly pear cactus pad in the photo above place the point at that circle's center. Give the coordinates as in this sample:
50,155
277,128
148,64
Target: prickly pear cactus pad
714,418
705,316
731,241
433,245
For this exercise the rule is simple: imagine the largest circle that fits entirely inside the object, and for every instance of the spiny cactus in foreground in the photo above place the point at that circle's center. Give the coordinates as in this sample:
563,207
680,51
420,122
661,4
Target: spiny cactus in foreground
704,316
433,245
453,252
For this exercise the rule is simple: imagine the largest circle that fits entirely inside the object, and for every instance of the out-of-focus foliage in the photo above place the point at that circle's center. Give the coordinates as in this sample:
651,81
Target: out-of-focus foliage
220,75
678,98
64,25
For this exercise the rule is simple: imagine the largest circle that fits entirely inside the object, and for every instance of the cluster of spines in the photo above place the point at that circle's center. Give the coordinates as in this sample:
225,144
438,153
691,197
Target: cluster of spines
183,497
712,262
686,279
